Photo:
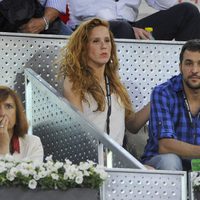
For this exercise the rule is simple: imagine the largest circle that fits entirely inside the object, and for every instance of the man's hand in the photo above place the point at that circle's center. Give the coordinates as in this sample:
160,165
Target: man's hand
37,25
34,25
141,34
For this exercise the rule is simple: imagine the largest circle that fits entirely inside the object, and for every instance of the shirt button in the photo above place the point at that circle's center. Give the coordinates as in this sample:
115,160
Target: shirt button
116,0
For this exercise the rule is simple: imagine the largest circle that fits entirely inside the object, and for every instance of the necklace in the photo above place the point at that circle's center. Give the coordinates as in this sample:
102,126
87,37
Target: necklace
188,109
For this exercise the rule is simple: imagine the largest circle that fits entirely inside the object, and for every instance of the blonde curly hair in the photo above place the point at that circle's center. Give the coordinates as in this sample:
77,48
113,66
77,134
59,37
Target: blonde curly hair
73,64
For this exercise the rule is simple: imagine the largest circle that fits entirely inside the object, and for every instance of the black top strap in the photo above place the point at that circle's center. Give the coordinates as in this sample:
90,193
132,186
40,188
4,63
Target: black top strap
108,95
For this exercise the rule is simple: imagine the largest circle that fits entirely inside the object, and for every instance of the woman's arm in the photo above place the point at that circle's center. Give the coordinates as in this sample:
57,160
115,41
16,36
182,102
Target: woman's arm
137,120
71,96
4,136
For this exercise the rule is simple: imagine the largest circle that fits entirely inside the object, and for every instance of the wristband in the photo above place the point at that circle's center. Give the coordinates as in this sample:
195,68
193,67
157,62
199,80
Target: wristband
46,21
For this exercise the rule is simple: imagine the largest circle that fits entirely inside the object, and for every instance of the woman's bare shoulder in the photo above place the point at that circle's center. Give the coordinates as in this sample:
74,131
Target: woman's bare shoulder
71,95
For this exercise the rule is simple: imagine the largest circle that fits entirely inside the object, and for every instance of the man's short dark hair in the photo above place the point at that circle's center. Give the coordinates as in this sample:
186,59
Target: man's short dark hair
191,45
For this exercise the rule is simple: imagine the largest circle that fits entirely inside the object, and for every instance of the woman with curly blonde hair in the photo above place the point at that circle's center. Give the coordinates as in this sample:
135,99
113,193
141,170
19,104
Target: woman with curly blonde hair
89,65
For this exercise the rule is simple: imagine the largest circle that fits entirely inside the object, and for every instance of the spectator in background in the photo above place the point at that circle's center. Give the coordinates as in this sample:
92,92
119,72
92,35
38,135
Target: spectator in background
174,125
89,65
53,8
14,127
33,16
173,21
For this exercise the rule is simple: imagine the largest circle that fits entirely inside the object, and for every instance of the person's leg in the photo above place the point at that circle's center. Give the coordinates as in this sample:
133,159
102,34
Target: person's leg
121,29
65,29
165,162
180,22
186,164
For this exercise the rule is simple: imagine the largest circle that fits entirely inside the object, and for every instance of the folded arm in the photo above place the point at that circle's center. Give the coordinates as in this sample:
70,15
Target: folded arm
37,25
180,148
53,8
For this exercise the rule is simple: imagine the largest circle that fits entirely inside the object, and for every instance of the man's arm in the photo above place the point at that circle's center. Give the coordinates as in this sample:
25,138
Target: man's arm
37,25
180,148
53,8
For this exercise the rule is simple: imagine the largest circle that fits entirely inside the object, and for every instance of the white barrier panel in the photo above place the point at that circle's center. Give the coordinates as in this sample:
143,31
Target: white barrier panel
143,64
127,184
64,131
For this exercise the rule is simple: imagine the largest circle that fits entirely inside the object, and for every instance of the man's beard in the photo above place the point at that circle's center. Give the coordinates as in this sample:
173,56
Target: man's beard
190,85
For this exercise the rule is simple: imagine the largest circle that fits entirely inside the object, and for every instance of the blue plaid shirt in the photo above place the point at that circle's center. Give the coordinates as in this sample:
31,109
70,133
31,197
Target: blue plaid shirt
169,117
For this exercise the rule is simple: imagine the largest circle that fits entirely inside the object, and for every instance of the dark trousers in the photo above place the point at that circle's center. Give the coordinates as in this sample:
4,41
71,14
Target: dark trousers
180,22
